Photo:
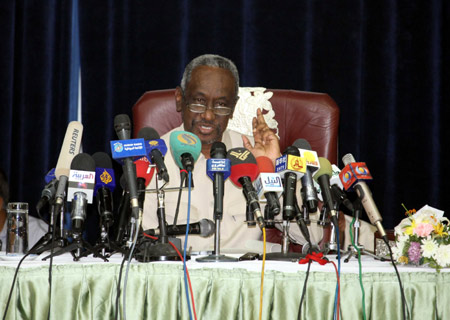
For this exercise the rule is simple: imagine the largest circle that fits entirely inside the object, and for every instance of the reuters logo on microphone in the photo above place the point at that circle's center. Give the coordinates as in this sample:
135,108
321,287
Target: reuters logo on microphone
187,139
105,177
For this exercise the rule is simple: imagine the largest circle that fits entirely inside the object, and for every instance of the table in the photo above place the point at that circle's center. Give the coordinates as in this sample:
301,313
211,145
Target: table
87,290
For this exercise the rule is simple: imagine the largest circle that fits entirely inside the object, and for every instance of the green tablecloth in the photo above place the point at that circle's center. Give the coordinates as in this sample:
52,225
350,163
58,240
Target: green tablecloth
156,291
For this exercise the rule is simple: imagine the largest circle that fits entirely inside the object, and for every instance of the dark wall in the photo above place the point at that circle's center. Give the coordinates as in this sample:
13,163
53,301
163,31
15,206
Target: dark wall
386,63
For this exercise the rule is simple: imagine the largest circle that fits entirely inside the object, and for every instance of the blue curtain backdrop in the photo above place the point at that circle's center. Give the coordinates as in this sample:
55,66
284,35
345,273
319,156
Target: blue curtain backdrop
386,64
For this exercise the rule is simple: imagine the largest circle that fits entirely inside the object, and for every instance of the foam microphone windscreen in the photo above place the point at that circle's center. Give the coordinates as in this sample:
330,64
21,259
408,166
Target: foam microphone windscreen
302,144
293,151
104,172
243,164
83,162
122,126
325,168
182,142
148,133
218,150
143,170
102,160
265,164
69,149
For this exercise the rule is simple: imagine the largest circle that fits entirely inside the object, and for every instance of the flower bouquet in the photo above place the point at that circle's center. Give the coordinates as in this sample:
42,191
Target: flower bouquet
423,239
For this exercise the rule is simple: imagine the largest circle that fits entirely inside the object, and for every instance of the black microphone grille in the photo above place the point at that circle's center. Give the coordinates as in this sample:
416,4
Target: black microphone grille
122,122
207,227
293,151
240,155
302,144
218,150
102,160
84,162
148,133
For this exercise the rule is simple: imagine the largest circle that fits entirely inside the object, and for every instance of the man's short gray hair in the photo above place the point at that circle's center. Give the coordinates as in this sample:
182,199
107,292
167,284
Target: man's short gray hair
210,60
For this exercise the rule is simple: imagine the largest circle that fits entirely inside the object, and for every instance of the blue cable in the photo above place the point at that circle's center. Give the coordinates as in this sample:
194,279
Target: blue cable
339,272
186,286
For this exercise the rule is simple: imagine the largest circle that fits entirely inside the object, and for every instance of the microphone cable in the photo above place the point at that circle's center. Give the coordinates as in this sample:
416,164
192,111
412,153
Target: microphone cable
50,268
185,245
187,272
177,209
304,290
13,283
116,314
130,256
318,257
336,299
405,308
262,274
360,268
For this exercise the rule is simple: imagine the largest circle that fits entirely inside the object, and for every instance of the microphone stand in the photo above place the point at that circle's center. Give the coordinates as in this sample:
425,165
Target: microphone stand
351,250
77,245
161,249
218,214
285,255
45,243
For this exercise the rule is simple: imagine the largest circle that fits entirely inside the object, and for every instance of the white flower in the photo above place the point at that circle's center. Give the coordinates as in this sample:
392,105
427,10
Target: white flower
429,247
397,251
399,246
442,255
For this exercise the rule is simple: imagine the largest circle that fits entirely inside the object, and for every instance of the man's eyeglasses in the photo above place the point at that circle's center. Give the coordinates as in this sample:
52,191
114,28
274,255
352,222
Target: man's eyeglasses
201,108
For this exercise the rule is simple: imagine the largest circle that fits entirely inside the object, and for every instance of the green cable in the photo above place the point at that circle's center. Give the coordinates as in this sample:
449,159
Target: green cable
360,268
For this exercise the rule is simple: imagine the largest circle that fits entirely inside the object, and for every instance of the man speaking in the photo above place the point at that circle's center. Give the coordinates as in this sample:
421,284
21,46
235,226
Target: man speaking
206,99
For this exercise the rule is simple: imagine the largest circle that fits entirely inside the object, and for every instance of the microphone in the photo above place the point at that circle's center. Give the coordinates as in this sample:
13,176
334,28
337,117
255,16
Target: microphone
105,184
157,149
185,147
309,192
124,209
144,175
49,190
69,149
204,228
268,185
218,169
122,126
244,171
353,175
81,188
293,167
322,177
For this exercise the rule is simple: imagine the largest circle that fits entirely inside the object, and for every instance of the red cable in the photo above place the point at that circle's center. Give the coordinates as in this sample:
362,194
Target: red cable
187,272
318,257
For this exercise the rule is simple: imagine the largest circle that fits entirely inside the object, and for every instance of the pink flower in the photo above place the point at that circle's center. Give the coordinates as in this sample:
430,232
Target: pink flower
414,252
423,229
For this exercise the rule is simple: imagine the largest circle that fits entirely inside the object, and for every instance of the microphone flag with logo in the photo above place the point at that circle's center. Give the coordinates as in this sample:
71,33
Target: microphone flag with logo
185,147
354,175
244,171
156,150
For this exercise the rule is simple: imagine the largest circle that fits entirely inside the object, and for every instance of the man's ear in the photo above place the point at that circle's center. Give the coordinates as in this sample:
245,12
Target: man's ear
179,98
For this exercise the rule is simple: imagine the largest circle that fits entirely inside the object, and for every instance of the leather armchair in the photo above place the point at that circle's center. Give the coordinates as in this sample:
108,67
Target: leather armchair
308,115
